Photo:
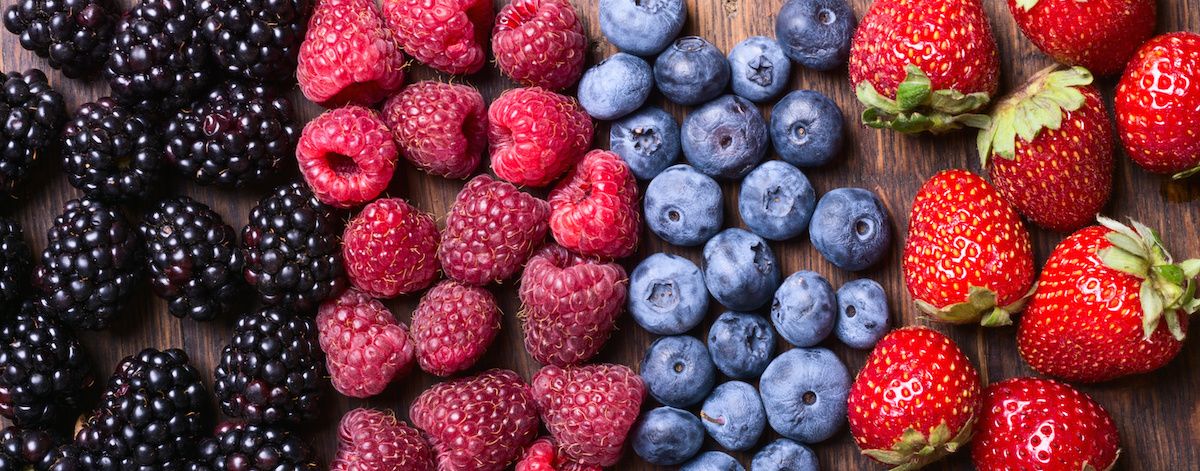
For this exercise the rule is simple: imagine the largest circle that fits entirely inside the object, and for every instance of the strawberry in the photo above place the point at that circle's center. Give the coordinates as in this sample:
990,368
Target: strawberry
1156,105
968,257
924,65
1101,303
1097,34
1049,149
915,401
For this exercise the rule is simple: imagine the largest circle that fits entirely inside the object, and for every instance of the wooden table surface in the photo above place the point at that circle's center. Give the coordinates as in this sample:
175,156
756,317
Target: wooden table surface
1158,414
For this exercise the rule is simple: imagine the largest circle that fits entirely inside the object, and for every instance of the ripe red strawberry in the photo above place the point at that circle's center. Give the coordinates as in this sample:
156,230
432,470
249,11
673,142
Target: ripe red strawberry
453,326
1156,105
539,43
1101,302
536,135
478,423
374,440
365,347
348,56
1041,424
569,305
924,65
594,210
1049,149
439,127
589,409
1097,34
347,156
389,247
968,257
916,400
491,230
543,455
448,35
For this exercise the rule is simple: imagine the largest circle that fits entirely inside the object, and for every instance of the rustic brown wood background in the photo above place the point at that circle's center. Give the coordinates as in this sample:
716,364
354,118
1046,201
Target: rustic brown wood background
1158,414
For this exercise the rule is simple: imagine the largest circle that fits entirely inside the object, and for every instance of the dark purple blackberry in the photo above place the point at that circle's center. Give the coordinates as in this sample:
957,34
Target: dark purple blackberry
73,35
193,259
15,265
44,371
236,135
35,450
293,255
112,152
159,55
245,447
256,39
152,416
33,114
272,371
90,265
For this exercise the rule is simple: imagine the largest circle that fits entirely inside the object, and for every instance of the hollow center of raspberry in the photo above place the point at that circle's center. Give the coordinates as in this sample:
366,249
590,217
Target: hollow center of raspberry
341,164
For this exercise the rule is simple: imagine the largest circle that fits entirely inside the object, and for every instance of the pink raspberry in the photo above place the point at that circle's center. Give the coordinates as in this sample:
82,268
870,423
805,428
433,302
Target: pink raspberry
589,409
441,128
374,440
478,423
594,211
347,156
491,230
389,248
348,56
539,43
543,455
536,135
448,35
365,347
453,326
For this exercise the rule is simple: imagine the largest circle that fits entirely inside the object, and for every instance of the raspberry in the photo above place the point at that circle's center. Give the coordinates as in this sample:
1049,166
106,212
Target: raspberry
365,348
539,43
439,127
491,230
448,35
566,333
373,440
536,135
543,455
453,326
389,248
348,55
347,156
479,423
589,427
594,210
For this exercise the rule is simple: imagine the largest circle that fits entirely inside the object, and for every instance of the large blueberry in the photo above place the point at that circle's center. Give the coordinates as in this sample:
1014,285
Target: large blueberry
759,69
725,138
667,294
691,71
804,391
862,313
642,27
816,33
733,415
683,206
785,455
667,436
740,269
807,128
850,228
616,86
678,371
804,309
648,140
741,344
776,201
712,461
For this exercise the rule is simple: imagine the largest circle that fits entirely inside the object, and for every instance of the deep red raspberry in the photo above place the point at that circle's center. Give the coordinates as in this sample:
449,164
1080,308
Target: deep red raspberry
348,55
589,409
478,423
440,127
543,455
491,230
539,43
536,135
453,326
389,248
347,156
569,305
448,35
374,440
365,347
594,210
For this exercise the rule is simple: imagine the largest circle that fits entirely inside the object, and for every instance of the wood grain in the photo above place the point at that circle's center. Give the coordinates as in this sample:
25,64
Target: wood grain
1158,414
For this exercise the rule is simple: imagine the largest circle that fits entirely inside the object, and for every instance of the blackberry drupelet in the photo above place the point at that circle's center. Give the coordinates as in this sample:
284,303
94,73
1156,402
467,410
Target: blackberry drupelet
236,135
256,39
246,447
273,370
112,152
90,265
73,35
45,373
192,258
33,115
152,416
292,248
35,450
159,55
15,264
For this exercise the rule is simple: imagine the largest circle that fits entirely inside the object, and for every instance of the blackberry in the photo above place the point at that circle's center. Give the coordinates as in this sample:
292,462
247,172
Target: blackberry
72,34
152,416
33,115
15,264
236,135
272,371
111,152
256,39
45,373
293,255
35,450
193,260
90,265
159,55
246,447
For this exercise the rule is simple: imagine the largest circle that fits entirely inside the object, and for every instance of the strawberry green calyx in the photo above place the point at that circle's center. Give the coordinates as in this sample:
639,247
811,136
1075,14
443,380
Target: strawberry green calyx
1186,173
1167,287
918,108
980,307
915,450
1041,104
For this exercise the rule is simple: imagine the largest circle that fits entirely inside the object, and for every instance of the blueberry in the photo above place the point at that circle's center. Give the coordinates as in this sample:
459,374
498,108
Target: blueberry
776,201
691,71
733,415
740,269
850,228
725,138
804,309
741,344
642,27
862,313
667,294
678,370
616,86
759,69
816,33
785,455
807,128
683,206
712,461
667,436
648,140
804,391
